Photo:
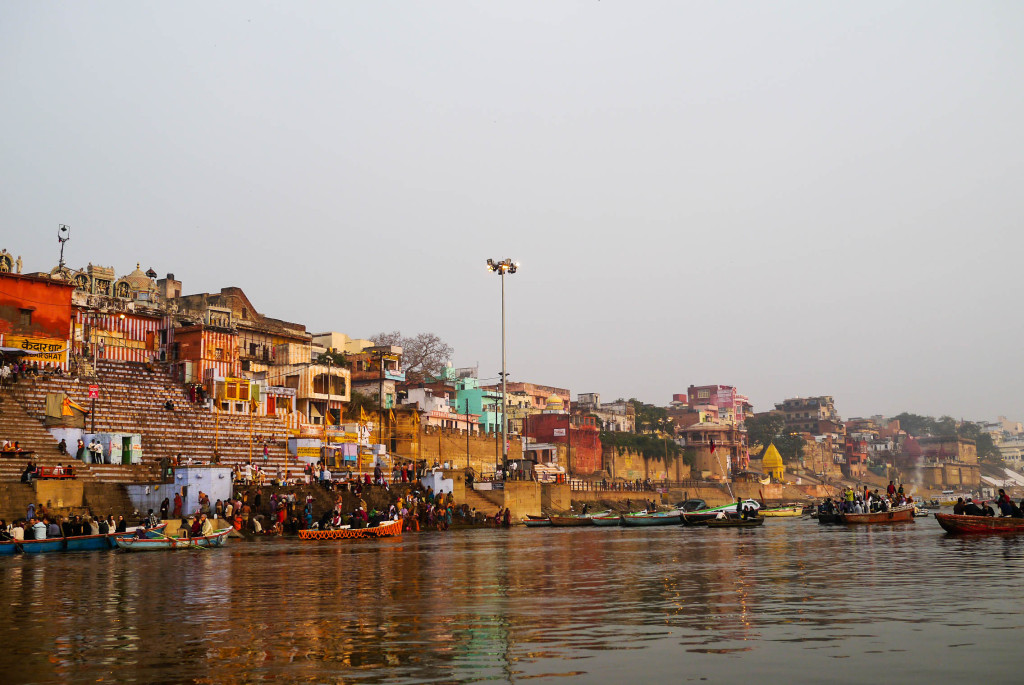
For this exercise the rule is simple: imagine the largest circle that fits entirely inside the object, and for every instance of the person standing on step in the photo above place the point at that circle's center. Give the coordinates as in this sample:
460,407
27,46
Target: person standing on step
177,505
164,509
80,452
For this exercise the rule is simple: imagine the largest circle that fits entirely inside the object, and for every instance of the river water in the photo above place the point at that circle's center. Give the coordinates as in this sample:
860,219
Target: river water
791,601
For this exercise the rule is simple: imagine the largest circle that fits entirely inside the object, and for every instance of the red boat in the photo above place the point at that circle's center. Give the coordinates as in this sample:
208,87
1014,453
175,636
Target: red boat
894,515
961,524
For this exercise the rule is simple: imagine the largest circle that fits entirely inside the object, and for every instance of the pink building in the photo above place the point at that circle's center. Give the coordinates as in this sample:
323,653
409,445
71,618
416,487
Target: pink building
730,406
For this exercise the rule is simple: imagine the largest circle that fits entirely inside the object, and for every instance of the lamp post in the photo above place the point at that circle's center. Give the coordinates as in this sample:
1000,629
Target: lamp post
63,235
501,268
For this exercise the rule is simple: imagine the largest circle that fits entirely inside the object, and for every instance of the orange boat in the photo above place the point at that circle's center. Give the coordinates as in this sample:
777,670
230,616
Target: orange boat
962,524
386,529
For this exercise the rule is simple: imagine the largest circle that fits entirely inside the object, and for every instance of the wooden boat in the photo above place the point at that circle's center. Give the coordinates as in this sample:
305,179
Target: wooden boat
665,518
215,539
796,510
385,529
607,520
736,522
894,515
961,524
834,518
572,520
78,543
537,522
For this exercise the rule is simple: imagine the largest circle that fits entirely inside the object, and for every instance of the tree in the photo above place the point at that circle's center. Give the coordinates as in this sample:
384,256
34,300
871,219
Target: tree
764,429
424,354
649,418
335,358
360,401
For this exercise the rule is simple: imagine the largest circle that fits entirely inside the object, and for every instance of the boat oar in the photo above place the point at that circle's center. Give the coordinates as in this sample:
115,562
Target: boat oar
190,543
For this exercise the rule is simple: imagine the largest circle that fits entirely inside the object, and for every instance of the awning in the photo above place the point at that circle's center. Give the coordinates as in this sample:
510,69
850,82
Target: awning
18,352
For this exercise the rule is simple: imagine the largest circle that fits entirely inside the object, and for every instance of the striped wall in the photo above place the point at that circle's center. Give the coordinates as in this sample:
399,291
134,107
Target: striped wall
133,338
209,363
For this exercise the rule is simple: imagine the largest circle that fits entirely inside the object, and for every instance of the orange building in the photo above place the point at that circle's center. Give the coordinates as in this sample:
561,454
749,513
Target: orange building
199,353
35,315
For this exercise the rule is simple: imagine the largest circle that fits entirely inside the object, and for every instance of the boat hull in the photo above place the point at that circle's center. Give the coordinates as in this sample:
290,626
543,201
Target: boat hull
537,522
607,521
736,523
384,530
960,524
895,515
562,521
698,518
782,512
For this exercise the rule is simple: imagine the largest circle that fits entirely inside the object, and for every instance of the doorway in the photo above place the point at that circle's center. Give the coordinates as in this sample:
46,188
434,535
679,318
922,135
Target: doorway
126,450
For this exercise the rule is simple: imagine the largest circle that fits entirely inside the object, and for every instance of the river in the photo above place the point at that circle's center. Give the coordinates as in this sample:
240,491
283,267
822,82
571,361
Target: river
790,601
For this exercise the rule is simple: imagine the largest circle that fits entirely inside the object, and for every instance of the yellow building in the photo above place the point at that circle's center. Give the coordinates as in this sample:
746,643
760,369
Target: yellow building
772,463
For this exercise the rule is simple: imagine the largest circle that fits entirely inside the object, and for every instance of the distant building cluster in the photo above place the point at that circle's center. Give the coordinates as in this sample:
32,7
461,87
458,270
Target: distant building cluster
245,361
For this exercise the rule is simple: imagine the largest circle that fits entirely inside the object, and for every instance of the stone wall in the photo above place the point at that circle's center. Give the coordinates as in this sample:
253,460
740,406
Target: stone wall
555,497
433,444
60,494
629,465
523,498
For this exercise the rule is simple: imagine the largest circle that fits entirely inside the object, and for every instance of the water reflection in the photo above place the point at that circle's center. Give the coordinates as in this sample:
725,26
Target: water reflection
791,599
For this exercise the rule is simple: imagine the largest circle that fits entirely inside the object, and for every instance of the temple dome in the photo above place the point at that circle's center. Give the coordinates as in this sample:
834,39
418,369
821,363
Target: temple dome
138,279
554,403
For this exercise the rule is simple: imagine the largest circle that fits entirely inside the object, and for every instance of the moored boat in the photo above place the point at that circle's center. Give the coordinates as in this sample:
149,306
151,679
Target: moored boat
385,529
894,515
537,521
962,524
796,510
572,520
215,539
665,518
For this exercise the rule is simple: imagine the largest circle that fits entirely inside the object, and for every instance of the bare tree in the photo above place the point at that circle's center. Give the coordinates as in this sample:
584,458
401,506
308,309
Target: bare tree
422,355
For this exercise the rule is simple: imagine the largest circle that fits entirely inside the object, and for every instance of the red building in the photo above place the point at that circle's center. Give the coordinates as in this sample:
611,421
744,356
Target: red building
579,434
35,315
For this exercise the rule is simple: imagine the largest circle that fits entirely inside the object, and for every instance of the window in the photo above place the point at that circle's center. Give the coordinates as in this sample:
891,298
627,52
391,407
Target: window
26,317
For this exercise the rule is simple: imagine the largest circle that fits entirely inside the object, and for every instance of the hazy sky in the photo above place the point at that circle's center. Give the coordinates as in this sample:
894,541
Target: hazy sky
797,198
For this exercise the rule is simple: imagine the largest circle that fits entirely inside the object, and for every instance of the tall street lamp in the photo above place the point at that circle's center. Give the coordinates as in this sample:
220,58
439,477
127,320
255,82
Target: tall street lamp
501,268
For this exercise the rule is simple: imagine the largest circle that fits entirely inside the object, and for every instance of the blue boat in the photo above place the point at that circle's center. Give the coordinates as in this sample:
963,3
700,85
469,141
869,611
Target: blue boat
79,543
32,546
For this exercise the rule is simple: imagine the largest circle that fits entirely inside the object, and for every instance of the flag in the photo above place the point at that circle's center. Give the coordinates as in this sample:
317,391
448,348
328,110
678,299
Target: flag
712,447
327,418
362,415
391,415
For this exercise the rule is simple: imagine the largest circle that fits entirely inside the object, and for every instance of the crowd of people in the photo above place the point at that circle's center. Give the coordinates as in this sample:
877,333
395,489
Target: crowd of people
868,501
39,524
11,372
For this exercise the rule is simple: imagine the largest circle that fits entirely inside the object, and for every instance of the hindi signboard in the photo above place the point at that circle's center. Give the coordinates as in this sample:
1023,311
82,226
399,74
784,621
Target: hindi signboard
94,392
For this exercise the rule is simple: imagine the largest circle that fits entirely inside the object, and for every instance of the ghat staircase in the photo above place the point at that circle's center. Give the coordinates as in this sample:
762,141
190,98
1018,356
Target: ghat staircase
131,400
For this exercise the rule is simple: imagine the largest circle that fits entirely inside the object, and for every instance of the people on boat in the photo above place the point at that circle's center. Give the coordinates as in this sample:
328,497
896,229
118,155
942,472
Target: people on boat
1004,503
960,508
972,509
206,525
